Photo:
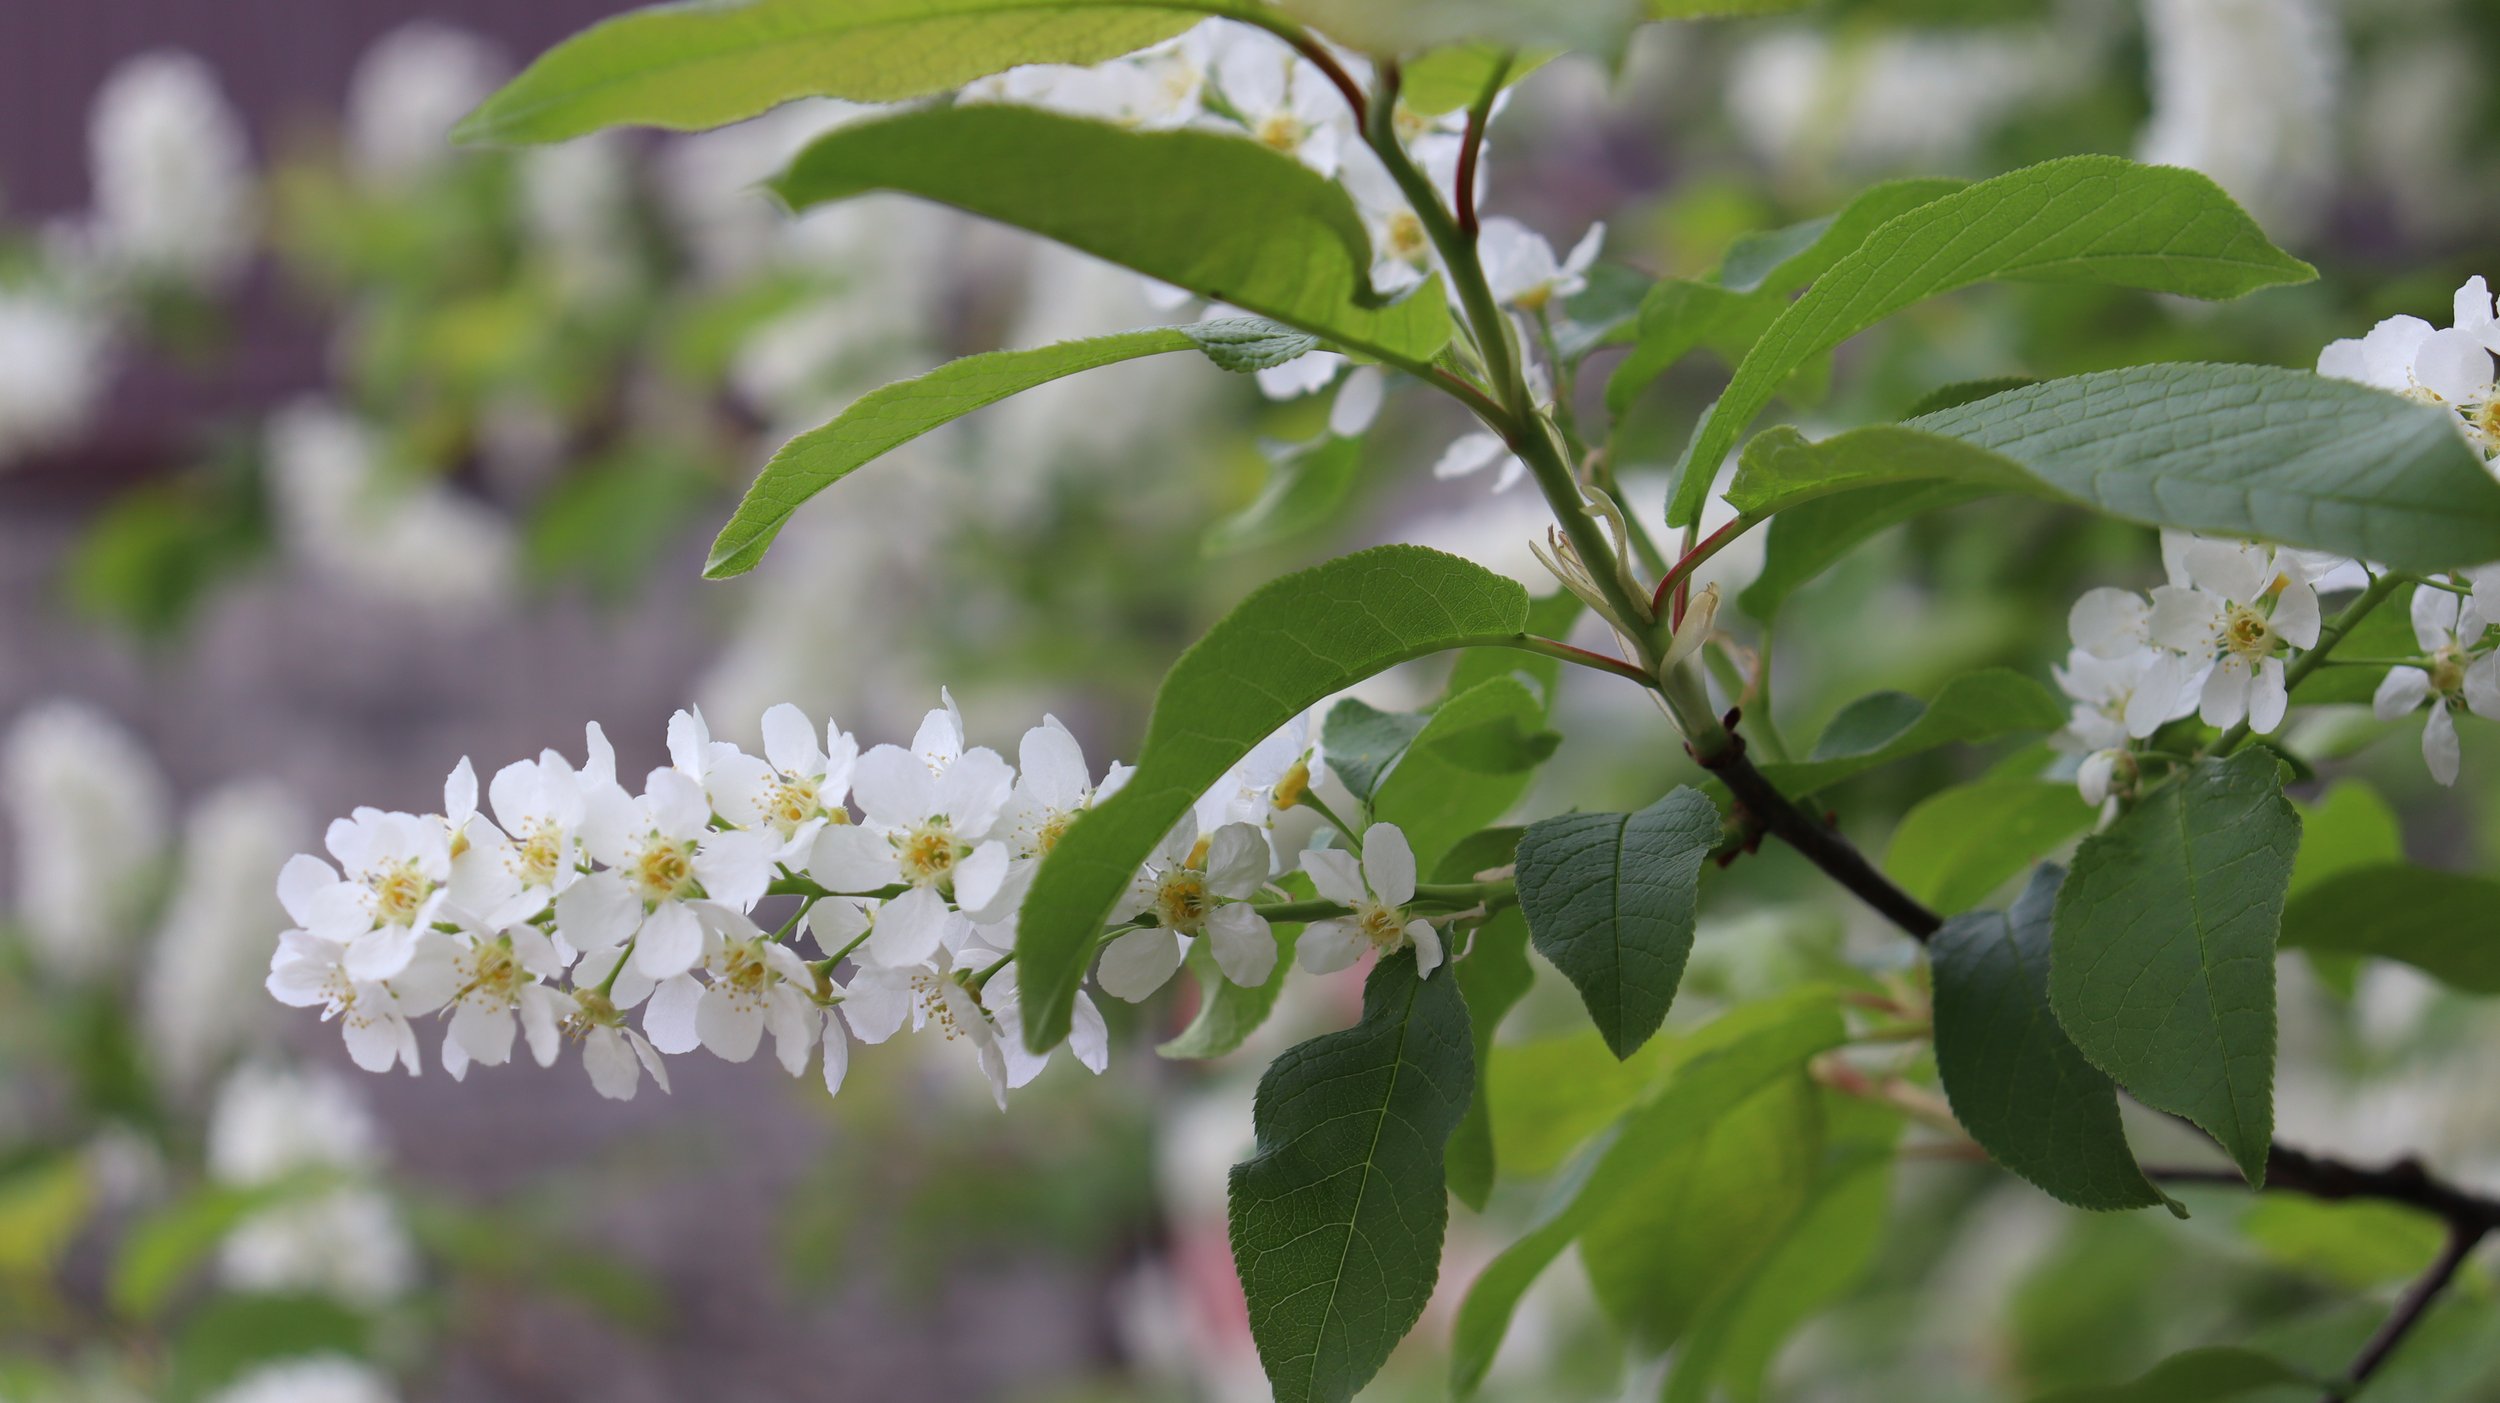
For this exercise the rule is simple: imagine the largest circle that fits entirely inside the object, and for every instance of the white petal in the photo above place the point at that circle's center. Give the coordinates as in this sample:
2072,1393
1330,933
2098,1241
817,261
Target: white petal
736,867
460,797
1238,861
790,741
1358,402
2296,614
1089,1038
2403,689
1427,943
2156,694
1245,949
689,743
485,1034
1136,964
611,1064
1054,766
2454,366
848,858
1334,874
2387,352
791,1019
2482,686
679,807
974,790
837,1056
541,1024
670,942
2435,614
2343,360
2235,570
2268,697
381,954
669,1019
2225,700
2439,745
876,1005
599,912
1329,946
730,1028
2093,775
978,877
1467,454
910,929
1389,864
304,878
649,1058
2109,623
2187,620
375,1042
894,786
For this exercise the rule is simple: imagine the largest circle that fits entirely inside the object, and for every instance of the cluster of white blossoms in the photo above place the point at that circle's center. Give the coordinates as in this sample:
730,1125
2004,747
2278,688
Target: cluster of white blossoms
2215,640
568,902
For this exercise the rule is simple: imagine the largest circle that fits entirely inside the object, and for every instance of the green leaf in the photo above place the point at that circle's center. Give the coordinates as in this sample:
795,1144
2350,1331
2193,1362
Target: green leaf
43,1205
231,1334
2095,219
1221,216
1449,78
1806,540
887,418
2349,826
1720,9
690,66
1882,727
1549,616
1337,1219
1550,1094
1227,1012
2358,1245
1363,742
1290,644
1726,1065
1710,1210
2164,940
1494,977
1957,846
2445,924
1962,392
1469,764
1246,345
1753,284
2197,1376
1306,485
1610,901
162,1249
2017,1083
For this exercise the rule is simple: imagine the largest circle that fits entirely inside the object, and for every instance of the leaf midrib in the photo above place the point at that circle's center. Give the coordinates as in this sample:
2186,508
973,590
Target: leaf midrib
1371,1156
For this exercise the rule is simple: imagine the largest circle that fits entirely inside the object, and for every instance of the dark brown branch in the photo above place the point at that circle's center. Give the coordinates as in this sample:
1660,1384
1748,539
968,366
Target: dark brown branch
2463,1238
1814,840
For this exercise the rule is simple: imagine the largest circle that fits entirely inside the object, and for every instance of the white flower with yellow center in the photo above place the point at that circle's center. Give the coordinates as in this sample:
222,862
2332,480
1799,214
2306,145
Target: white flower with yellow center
757,984
928,821
2454,678
1284,102
309,970
2450,367
795,788
2240,606
532,850
395,866
667,870
615,1055
497,990
1376,893
1192,887
1521,267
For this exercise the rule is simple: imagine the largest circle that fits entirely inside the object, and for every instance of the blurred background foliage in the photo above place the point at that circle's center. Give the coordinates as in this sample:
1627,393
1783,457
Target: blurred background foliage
514,394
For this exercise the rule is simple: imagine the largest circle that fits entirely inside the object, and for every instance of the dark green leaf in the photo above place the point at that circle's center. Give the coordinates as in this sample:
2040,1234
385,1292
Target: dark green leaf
688,67
2198,1376
2163,972
885,419
1549,616
1610,901
1363,742
2016,1082
1469,764
1725,1065
1963,392
1806,540
1256,228
2095,219
1337,1220
1494,976
1289,645
2445,924
1957,846
230,1334
1886,726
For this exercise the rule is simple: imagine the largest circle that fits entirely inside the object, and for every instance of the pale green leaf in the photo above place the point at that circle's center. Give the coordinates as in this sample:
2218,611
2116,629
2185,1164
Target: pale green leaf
1806,540
2017,1083
1221,216
1886,726
2445,924
1469,764
1550,1094
693,65
1245,345
2164,941
1955,847
2094,219
1289,645
1337,1219
1307,484
885,419
1363,742
1610,900
1449,78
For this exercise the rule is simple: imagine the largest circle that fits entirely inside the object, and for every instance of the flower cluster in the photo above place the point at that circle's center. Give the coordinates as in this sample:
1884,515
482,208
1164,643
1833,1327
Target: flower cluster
567,901
2450,367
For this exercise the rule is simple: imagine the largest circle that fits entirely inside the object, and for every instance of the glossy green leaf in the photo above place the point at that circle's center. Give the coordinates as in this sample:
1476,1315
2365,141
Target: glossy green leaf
2197,1376
1886,726
1337,1219
1290,644
690,66
1307,483
1808,539
1753,285
2164,941
2016,1081
2095,219
1549,616
1724,1066
885,419
1611,899
2445,924
1494,976
1469,764
1259,230
1709,1211
1962,392
1957,846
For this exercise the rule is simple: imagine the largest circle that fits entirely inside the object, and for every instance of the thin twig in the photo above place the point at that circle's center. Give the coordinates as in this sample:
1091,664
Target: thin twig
1815,841
2410,1308
1471,146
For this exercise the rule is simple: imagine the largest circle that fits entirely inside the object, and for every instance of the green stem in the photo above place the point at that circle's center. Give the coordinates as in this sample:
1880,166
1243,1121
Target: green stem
1457,896
2329,635
1309,799
1551,648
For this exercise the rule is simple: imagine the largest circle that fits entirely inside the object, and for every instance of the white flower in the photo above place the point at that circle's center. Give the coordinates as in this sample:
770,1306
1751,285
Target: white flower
397,535
407,93
505,870
87,813
309,1379
1402,253
1377,892
1472,453
1191,887
2242,602
1263,789
927,820
2450,681
1053,788
2450,368
347,1243
1285,102
170,169
52,369
757,984
311,971
270,1125
670,875
615,1055
797,786
496,976
198,992
1521,266
272,1122
2272,142
396,869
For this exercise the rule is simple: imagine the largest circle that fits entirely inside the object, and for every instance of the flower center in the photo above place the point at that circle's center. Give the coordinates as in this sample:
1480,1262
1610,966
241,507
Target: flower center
744,974
1534,299
663,870
2486,422
790,802
1406,236
1280,131
1289,789
491,971
1383,926
539,854
2448,670
2246,633
1052,830
1181,901
927,853
399,890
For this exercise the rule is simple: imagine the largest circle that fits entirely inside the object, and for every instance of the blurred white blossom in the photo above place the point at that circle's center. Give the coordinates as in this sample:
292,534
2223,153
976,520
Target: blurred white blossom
171,171
2246,91
407,93
89,814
